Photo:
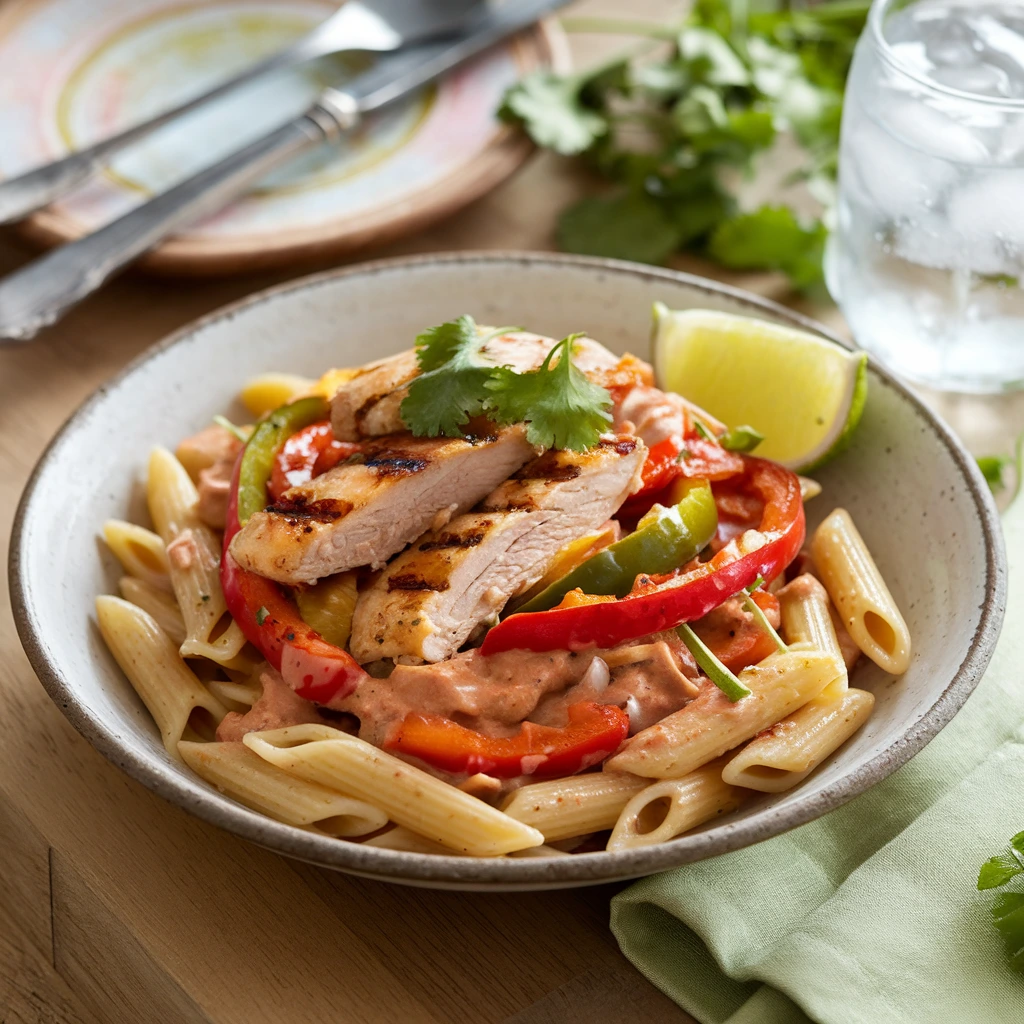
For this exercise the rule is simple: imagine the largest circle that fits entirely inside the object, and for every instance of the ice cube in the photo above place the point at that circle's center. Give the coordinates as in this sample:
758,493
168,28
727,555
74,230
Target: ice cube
896,180
929,130
987,214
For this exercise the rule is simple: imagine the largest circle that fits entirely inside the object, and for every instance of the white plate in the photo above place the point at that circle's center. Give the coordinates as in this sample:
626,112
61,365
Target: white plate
915,493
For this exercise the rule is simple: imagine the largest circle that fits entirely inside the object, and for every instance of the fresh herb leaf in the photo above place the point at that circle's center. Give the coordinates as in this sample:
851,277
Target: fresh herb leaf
231,428
625,226
562,408
993,469
728,683
261,615
450,389
1008,908
661,128
551,109
771,239
741,439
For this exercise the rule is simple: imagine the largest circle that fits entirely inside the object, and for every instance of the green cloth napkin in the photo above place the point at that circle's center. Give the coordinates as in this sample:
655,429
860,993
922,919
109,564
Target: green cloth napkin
870,914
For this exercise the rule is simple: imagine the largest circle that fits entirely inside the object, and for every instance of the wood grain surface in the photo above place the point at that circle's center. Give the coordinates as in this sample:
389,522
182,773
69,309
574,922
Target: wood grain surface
117,907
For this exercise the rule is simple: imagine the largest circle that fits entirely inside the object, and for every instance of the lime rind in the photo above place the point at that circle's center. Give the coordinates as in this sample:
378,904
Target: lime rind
842,373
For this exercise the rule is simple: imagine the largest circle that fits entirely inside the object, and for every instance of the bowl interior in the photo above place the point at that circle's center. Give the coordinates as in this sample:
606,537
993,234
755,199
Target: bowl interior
919,502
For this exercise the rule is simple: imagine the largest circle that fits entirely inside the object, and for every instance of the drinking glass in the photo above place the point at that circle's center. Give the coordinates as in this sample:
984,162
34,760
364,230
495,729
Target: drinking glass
927,258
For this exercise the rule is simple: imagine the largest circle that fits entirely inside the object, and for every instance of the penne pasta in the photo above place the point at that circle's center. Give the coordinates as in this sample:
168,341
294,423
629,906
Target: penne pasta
157,602
405,841
193,554
789,751
575,806
804,607
176,699
535,852
663,810
409,796
857,589
711,724
141,552
239,773
236,696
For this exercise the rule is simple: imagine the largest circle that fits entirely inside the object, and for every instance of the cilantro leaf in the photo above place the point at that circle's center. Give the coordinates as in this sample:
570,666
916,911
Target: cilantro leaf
625,226
992,467
450,389
551,109
562,408
771,239
1008,908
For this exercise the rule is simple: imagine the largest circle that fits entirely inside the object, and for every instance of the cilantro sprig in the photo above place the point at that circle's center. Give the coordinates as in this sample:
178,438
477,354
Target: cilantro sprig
677,123
450,388
1008,908
560,406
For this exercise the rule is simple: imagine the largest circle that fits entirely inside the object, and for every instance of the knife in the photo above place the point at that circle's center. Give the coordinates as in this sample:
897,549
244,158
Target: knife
40,293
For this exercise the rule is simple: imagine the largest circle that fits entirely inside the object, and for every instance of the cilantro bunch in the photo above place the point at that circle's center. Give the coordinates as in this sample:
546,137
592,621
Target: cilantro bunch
676,122
1008,908
561,407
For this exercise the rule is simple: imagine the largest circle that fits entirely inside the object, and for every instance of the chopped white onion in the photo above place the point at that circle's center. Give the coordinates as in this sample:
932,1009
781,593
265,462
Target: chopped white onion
635,713
597,677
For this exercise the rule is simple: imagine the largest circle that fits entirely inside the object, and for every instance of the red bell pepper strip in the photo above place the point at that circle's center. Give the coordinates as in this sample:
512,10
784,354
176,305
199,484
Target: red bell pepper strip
306,454
594,732
312,667
655,606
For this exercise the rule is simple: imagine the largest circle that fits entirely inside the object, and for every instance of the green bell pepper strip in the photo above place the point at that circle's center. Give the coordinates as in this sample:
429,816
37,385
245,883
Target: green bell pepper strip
263,446
664,540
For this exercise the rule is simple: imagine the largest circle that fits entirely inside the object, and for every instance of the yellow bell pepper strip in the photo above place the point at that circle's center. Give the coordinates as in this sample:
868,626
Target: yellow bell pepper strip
663,541
658,605
315,669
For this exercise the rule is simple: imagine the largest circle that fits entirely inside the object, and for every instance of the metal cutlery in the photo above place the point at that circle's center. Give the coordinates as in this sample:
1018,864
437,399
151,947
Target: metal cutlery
38,294
370,25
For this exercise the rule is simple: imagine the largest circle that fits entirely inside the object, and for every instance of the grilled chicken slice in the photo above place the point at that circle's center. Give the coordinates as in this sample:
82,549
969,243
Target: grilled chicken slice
362,513
434,595
369,405
359,396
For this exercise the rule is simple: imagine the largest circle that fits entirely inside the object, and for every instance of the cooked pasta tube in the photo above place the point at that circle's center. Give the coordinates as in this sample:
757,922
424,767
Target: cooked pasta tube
235,770
576,806
663,810
140,551
711,724
858,591
406,841
804,607
193,554
235,695
787,753
150,660
157,602
535,852
409,796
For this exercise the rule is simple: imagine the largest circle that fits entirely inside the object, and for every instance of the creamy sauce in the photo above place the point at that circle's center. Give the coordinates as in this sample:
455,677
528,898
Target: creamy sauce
494,694
277,707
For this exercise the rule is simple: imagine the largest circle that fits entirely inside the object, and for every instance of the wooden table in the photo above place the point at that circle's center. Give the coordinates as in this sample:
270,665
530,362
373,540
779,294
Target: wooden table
118,907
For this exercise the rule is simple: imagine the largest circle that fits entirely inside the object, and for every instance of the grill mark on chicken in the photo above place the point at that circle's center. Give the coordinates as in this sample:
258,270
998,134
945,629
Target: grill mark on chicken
550,471
621,445
410,581
326,510
455,540
387,464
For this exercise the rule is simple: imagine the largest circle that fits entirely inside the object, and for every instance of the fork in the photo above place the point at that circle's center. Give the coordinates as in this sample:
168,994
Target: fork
374,25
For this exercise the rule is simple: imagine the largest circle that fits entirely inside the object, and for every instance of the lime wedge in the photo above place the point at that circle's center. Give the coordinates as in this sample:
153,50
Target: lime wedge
805,394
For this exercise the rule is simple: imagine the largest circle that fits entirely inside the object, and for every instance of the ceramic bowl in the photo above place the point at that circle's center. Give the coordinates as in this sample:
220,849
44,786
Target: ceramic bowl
913,490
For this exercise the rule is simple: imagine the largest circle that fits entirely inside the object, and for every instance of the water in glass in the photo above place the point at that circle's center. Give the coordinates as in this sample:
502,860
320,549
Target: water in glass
927,260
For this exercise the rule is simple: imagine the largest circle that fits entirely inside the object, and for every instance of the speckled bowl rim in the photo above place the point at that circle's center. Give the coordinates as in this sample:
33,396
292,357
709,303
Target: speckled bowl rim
499,874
